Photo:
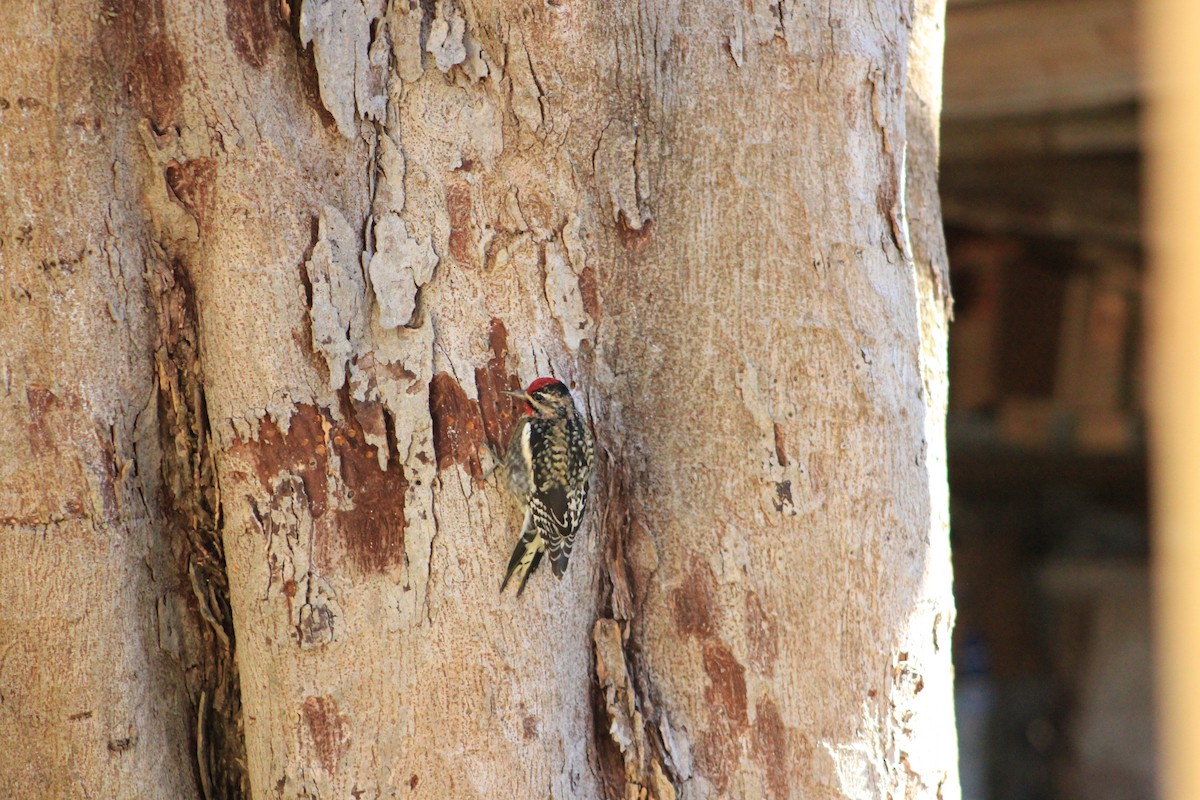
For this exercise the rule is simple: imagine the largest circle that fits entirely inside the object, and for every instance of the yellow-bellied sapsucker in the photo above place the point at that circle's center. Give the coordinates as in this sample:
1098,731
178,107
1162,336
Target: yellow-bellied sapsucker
548,465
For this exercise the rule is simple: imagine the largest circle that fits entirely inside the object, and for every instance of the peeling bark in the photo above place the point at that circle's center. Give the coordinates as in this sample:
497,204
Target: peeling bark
644,775
191,505
320,240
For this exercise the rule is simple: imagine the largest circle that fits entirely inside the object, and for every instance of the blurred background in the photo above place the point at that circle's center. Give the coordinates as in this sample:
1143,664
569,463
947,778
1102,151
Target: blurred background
1041,191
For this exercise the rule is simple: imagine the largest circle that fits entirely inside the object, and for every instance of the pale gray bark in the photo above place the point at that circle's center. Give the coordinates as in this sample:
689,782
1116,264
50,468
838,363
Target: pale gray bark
95,630
717,222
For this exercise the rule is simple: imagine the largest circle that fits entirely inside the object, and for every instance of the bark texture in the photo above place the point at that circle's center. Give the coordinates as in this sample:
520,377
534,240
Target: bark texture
340,229
100,658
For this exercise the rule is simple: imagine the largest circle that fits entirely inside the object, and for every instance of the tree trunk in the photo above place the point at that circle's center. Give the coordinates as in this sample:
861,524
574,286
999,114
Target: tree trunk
318,239
103,654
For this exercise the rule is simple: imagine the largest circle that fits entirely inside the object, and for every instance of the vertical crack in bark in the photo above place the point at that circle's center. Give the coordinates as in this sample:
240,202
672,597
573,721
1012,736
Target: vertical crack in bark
632,758
192,506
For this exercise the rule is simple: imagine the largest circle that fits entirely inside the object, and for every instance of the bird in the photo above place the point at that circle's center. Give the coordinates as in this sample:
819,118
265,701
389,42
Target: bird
547,467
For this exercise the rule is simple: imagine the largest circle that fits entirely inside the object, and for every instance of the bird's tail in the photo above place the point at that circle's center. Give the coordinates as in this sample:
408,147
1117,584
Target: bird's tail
560,551
525,557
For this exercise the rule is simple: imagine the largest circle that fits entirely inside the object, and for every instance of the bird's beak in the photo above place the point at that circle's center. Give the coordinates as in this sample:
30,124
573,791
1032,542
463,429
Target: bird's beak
521,395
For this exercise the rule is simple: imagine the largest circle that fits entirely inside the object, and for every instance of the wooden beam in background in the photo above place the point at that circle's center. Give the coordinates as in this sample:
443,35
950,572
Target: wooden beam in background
1038,56
1096,197
1107,131
1173,193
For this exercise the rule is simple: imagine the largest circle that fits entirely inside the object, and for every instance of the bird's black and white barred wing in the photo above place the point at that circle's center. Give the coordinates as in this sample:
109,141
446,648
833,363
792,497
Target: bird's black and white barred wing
526,555
568,505
552,510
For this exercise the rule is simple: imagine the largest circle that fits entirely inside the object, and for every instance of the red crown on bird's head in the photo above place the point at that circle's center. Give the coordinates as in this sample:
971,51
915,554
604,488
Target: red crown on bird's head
541,383
538,385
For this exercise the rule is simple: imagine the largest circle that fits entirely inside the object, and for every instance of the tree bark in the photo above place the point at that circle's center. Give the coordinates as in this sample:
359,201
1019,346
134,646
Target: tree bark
347,226
99,632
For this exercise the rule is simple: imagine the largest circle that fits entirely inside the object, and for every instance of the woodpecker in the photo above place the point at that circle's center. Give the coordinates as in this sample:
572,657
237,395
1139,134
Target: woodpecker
547,466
